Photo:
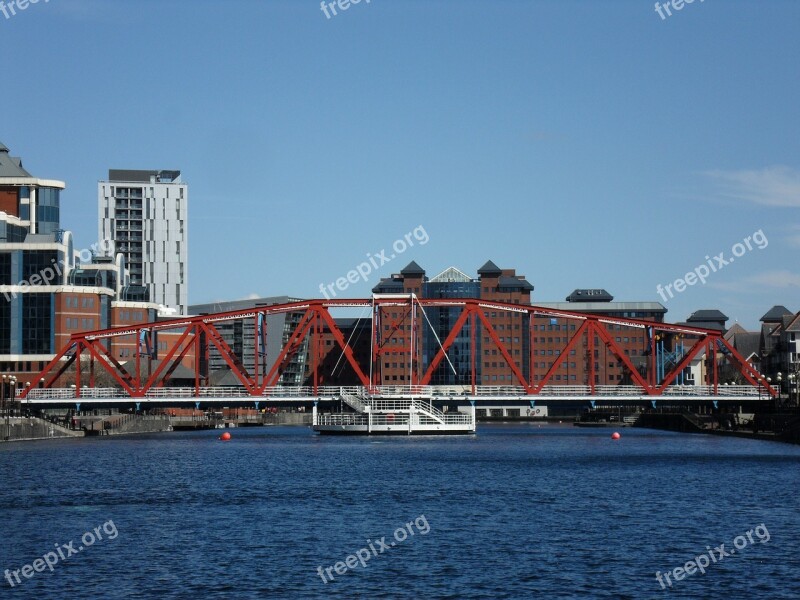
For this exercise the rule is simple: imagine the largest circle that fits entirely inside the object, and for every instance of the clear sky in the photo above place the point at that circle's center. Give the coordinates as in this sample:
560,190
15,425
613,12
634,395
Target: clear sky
584,143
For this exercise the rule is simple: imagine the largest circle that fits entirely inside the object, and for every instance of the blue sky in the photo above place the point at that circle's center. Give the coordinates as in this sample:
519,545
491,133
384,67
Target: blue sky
584,143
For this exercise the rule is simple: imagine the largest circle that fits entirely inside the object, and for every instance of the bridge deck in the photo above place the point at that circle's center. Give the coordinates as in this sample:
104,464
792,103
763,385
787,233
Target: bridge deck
451,394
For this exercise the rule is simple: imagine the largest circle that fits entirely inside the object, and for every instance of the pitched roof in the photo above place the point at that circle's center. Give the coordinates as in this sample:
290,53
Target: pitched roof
792,323
10,166
747,343
489,269
451,274
413,268
514,282
735,330
775,314
713,325
589,295
387,285
707,315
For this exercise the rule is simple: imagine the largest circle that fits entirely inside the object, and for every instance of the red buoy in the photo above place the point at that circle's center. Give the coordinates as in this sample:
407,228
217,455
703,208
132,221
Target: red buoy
225,437
615,436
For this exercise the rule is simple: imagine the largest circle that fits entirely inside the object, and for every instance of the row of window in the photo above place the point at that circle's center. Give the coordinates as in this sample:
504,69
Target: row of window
81,301
82,324
503,340
547,365
555,377
554,327
125,315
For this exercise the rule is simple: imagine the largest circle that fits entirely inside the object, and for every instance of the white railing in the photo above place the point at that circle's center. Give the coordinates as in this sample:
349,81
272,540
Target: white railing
428,407
360,394
390,419
387,405
403,390
500,390
343,419
354,402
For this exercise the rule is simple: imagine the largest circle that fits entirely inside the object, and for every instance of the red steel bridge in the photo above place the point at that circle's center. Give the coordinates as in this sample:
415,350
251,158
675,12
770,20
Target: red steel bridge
148,377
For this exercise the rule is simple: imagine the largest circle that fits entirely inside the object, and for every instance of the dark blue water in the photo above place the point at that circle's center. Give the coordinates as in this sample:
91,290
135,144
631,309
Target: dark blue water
514,512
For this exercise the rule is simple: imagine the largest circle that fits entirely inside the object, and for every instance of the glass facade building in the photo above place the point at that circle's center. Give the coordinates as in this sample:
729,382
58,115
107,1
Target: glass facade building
450,284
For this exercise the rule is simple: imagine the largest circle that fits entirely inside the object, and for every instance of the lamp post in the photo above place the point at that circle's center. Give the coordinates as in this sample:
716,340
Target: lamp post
8,400
779,379
3,403
794,386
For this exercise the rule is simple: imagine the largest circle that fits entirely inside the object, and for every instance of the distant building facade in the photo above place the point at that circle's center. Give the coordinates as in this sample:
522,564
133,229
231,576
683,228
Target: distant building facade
533,343
779,347
551,335
145,213
394,353
49,290
254,341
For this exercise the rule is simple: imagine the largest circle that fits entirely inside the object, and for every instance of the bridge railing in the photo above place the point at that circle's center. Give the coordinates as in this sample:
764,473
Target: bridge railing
308,392
708,390
403,390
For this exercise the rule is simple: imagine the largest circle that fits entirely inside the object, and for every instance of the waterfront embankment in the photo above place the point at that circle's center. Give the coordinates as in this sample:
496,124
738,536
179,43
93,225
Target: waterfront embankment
776,427
17,429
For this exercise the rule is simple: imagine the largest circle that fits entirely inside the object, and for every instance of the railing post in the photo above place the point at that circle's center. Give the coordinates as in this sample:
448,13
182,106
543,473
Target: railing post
474,419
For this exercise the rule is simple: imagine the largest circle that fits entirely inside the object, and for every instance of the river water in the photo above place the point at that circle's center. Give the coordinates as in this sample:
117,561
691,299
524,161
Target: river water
516,511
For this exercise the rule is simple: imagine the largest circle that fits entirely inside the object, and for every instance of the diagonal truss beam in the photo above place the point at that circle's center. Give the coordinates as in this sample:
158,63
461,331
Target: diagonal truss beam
584,328
605,336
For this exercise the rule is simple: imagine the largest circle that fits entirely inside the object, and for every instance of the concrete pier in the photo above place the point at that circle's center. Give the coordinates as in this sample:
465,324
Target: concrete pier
18,429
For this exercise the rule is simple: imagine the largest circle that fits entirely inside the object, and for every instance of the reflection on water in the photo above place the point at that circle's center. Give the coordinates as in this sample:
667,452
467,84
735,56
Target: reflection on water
515,511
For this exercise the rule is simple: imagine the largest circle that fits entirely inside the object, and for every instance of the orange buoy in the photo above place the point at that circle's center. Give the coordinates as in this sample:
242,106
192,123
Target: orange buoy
615,436
225,437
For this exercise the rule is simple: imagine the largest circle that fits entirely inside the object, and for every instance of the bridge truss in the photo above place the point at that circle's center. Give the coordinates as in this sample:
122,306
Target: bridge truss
398,322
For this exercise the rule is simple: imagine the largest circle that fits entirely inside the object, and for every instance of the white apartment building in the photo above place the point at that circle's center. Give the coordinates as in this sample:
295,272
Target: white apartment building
145,213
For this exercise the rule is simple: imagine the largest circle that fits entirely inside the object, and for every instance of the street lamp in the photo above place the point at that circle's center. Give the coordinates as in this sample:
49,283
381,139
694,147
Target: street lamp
8,399
780,384
3,404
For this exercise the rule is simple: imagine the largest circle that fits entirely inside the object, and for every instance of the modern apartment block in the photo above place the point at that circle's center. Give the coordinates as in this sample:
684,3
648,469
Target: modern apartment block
48,288
145,213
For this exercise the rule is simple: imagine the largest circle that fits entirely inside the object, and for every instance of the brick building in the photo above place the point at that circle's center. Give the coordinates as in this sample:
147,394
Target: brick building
534,343
49,289
551,335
